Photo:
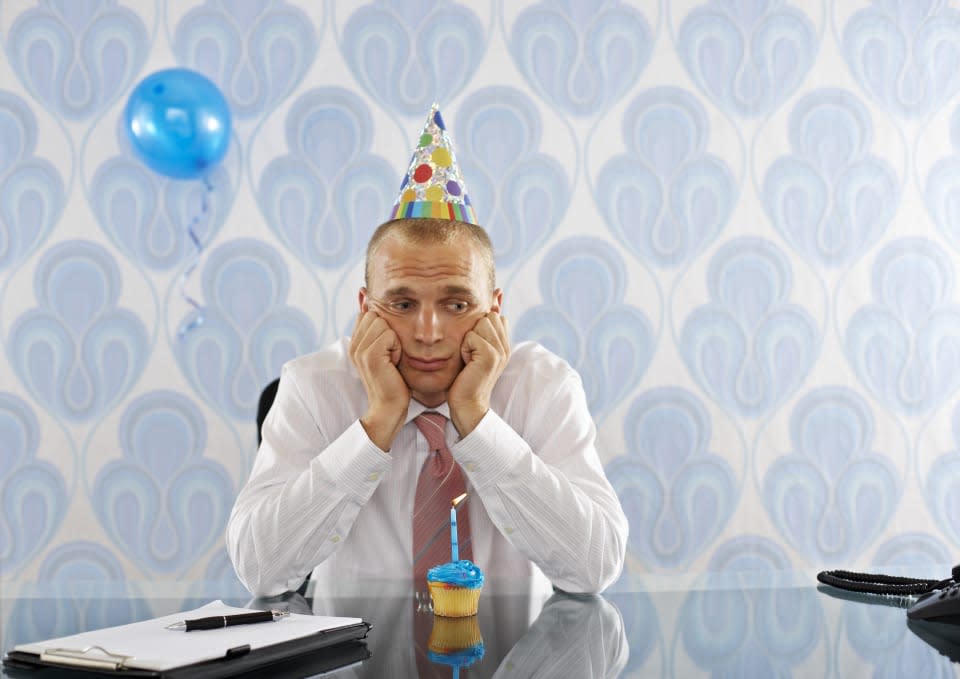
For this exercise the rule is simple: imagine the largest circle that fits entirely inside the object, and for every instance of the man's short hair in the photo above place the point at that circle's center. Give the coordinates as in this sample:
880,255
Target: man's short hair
432,231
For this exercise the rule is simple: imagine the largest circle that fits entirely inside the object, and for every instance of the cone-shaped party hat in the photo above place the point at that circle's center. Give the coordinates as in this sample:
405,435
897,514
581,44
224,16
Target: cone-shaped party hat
433,185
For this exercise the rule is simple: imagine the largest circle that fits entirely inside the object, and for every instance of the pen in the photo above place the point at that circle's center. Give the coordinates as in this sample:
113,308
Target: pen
218,621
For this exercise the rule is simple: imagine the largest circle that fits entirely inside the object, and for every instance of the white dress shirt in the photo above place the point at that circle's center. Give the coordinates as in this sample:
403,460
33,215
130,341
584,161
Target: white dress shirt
323,497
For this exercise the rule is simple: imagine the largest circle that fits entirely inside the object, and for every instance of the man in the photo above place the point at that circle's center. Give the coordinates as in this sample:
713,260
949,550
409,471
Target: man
334,486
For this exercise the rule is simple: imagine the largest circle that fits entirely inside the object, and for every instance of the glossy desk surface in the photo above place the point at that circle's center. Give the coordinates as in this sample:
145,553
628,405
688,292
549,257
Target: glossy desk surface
757,625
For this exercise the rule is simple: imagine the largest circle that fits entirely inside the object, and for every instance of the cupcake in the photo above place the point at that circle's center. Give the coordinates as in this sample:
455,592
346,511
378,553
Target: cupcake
455,641
455,588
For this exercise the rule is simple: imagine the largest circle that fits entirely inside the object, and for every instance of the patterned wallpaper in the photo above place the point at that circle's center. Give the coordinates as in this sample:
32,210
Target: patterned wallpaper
738,219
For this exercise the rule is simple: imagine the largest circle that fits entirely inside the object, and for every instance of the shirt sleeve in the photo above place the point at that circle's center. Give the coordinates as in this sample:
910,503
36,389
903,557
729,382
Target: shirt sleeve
545,490
303,496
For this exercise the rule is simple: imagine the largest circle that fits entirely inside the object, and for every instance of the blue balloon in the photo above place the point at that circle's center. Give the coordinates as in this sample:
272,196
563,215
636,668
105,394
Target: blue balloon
178,123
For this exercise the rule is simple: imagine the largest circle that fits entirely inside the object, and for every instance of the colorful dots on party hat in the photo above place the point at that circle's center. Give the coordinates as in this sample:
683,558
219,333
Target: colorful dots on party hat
433,185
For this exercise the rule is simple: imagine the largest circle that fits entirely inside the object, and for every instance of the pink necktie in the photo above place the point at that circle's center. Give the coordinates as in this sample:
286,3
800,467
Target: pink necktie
441,480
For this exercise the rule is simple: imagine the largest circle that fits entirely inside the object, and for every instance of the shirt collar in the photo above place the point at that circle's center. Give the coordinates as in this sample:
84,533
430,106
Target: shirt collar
415,409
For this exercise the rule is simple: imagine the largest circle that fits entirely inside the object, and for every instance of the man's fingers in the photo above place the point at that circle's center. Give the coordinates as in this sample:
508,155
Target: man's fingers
374,337
499,324
361,327
492,328
473,346
379,339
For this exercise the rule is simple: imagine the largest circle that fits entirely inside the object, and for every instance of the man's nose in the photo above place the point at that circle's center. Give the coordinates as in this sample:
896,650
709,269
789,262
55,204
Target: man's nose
428,325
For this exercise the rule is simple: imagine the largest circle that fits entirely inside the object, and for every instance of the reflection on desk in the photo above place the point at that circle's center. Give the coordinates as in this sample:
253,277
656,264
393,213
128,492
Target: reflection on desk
526,632
755,624
569,636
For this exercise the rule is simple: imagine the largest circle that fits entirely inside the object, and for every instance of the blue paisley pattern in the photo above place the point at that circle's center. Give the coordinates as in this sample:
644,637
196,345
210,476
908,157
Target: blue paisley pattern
743,632
407,55
832,494
324,198
830,198
904,54
77,352
257,52
739,220
522,193
749,348
905,345
246,332
747,57
665,199
584,320
77,57
149,501
580,56
33,492
676,493
31,188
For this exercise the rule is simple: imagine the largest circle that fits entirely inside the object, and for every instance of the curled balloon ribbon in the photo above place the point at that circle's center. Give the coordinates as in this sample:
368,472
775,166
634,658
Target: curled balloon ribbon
179,124
197,320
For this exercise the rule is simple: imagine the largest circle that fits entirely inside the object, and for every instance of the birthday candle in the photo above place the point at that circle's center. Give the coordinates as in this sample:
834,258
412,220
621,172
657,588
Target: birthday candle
454,545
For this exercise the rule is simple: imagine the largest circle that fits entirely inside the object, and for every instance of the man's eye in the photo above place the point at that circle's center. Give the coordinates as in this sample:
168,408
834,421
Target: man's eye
458,307
401,306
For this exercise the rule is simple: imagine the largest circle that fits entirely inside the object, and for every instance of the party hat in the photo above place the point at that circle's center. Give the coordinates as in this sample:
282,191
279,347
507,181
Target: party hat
433,186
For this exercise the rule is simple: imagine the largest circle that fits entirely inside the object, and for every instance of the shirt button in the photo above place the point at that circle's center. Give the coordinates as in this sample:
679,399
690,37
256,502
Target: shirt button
508,530
335,538
471,466
374,476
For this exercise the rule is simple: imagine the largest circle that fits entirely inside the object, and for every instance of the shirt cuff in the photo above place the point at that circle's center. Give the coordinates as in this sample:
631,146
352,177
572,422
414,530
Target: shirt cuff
355,462
490,451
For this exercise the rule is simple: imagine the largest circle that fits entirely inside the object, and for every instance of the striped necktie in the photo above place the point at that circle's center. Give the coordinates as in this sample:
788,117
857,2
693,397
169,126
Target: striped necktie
441,480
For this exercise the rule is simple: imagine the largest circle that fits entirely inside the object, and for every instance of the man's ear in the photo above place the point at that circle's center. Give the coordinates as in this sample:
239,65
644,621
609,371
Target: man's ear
497,300
362,298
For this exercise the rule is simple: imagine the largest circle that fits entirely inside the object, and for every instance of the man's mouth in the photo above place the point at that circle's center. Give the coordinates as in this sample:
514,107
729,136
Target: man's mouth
426,364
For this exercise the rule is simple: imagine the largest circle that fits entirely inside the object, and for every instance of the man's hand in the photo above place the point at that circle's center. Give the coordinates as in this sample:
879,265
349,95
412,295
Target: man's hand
375,351
485,350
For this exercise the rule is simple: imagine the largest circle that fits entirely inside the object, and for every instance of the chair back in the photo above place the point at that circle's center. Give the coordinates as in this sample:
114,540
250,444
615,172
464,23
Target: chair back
263,406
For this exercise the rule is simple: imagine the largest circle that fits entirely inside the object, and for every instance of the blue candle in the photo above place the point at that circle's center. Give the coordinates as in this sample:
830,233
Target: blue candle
454,547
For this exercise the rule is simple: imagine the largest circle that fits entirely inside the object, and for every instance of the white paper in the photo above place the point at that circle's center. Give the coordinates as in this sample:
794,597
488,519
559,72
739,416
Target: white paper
155,648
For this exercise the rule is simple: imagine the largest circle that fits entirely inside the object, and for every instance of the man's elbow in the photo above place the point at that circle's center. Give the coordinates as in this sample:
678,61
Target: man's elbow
243,554
597,572
608,564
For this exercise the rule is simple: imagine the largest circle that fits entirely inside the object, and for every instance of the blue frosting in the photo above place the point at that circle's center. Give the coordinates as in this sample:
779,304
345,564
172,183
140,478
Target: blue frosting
463,573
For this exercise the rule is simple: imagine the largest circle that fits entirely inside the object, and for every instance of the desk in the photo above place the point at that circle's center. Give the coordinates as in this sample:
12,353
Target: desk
758,625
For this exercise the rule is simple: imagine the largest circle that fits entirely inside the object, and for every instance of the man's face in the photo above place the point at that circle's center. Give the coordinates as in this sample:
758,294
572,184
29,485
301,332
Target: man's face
430,296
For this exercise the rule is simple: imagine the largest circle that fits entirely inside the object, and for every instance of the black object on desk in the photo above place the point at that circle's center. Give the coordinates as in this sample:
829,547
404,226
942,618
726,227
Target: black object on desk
291,659
942,606
276,662
221,621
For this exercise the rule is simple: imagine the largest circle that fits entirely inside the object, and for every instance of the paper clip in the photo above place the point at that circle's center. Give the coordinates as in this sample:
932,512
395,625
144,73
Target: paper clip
79,658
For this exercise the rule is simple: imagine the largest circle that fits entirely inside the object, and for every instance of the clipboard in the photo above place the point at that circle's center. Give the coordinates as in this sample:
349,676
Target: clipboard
306,646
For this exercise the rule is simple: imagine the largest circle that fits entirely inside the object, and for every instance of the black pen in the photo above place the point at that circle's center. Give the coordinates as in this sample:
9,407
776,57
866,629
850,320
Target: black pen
218,621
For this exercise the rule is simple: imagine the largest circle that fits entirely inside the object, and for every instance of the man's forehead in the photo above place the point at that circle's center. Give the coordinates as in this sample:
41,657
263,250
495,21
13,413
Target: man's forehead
447,290
398,256
406,276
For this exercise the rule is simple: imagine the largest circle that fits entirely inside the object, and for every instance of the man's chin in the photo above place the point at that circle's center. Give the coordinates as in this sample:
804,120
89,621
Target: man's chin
428,388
